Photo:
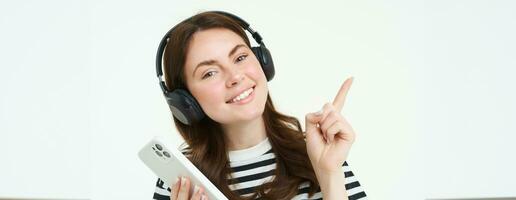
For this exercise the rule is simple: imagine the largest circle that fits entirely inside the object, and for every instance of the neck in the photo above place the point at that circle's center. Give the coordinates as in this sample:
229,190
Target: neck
243,135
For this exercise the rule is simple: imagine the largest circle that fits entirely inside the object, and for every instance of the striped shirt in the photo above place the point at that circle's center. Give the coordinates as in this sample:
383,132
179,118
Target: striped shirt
254,166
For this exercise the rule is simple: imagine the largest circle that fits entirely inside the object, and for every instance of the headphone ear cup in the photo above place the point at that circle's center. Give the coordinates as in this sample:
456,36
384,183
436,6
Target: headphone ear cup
264,57
184,106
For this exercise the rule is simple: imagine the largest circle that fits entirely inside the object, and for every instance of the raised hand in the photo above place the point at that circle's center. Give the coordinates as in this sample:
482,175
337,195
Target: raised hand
328,135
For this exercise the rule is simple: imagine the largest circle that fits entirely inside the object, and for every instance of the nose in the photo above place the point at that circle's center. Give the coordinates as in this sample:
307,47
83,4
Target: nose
235,77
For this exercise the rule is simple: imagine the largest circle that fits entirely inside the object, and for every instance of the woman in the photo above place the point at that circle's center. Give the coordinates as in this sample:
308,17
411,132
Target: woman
243,145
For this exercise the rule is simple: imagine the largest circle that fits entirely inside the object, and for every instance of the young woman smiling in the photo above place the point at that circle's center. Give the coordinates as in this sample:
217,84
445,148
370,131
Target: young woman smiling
245,146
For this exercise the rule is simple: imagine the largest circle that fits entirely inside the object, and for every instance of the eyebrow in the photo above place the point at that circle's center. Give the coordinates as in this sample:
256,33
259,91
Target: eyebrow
211,62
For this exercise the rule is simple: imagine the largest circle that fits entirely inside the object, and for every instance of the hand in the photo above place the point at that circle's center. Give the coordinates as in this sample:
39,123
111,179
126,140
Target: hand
328,135
181,191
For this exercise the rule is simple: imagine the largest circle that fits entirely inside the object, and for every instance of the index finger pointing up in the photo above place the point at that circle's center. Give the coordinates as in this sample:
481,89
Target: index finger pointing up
340,99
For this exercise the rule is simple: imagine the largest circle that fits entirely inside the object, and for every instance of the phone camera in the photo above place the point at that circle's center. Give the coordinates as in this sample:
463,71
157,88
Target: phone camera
159,153
166,154
159,147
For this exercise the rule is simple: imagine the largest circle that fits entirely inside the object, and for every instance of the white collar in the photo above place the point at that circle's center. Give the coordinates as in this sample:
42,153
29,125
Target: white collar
251,152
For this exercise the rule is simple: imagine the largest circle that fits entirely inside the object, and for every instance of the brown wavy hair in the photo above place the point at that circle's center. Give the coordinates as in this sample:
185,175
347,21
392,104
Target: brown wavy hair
206,146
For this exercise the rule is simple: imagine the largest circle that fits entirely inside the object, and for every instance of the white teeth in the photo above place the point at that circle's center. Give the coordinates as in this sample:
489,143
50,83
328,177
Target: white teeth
242,96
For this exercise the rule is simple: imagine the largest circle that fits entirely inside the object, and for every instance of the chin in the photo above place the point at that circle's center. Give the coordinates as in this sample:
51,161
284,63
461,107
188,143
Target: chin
255,115
248,116
231,118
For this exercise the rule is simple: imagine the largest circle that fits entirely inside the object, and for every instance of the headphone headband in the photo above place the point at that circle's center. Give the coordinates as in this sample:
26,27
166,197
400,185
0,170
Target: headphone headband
164,41
244,25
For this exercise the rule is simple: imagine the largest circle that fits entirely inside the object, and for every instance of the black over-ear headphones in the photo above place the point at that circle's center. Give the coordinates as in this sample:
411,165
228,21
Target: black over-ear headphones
182,104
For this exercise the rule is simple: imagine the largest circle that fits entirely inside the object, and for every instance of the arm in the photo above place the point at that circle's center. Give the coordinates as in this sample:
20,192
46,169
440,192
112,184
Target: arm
341,185
329,138
333,185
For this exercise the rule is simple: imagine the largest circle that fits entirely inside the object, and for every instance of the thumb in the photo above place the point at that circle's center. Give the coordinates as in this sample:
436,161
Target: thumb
311,120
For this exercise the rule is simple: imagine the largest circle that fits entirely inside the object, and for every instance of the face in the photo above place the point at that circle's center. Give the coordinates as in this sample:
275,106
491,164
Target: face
225,77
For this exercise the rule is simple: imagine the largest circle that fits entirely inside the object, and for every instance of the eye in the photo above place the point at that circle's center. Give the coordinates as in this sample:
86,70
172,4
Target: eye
206,75
242,57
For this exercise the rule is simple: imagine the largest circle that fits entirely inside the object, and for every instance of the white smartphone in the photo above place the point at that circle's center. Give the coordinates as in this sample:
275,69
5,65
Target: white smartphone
169,163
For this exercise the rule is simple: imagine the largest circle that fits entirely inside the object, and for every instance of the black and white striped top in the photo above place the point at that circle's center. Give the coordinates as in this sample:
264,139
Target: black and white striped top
254,166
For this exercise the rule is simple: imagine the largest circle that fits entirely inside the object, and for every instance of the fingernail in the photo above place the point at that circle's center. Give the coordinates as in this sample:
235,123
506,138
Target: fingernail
196,189
203,197
319,112
183,181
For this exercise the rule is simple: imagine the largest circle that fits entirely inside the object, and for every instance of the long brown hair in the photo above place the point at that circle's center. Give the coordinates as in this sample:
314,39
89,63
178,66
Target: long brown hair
206,146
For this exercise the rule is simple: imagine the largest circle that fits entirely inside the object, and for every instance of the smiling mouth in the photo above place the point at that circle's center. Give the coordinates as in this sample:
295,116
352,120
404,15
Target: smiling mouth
237,99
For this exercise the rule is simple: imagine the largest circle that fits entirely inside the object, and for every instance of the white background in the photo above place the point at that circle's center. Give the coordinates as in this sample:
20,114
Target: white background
432,102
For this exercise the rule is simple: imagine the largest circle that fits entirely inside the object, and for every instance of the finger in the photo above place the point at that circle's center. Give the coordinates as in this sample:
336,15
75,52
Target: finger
329,121
184,189
347,134
196,193
313,132
340,98
326,110
203,194
311,121
175,189
334,129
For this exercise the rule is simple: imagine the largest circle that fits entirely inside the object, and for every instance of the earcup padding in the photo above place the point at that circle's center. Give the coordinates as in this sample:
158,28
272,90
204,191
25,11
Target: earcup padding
184,106
264,57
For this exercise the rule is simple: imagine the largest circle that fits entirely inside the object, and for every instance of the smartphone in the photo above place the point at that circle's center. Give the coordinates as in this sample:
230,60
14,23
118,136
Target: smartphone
168,163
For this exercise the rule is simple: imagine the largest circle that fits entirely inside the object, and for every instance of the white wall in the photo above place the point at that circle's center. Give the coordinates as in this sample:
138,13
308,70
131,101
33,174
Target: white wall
45,99
466,98
431,101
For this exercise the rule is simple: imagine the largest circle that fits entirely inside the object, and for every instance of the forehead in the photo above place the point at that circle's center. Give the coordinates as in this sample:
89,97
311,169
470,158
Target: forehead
211,44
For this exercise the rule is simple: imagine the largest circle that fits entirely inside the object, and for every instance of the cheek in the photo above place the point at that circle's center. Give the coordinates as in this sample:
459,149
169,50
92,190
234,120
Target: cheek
209,95
256,72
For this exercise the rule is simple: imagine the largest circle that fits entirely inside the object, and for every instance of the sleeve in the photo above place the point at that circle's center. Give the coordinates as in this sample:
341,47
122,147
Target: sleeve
161,193
353,187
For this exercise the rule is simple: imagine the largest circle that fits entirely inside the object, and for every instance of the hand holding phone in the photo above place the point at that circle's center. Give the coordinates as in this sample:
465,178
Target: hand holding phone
182,190
169,164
